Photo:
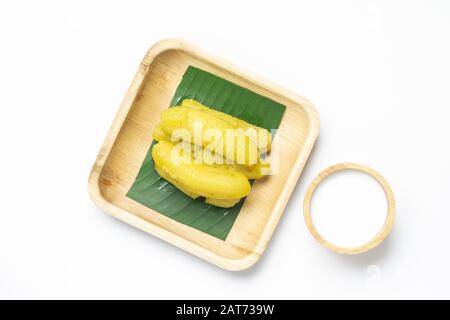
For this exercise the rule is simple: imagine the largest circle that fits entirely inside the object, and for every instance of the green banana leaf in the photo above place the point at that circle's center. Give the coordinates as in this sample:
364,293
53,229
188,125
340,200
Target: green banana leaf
156,193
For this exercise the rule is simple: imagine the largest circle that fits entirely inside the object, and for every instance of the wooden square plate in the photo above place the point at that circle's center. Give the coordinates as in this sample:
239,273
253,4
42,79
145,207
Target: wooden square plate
130,136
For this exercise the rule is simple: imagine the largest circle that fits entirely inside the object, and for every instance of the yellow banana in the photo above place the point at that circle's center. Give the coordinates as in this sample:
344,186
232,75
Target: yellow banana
263,138
158,133
256,171
210,132
221,186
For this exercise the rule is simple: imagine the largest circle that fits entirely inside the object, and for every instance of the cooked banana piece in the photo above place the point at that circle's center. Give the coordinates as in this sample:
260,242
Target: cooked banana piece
221,186
159,134
256,171
211,132
223,203
263,138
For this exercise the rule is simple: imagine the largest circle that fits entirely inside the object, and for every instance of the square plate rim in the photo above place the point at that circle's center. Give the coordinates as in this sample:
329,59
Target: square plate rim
177,240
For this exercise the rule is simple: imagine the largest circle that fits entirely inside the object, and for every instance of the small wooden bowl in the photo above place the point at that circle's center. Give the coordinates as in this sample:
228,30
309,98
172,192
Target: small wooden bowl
130,136
390,215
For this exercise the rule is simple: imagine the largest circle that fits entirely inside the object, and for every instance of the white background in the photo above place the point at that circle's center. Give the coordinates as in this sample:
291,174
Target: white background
377,71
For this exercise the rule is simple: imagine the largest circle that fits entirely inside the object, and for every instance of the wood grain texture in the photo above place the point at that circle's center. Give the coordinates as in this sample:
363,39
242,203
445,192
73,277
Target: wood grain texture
130,135
390,216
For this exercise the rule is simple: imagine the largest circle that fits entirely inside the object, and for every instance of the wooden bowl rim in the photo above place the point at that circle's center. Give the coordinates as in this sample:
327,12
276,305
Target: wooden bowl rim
382,233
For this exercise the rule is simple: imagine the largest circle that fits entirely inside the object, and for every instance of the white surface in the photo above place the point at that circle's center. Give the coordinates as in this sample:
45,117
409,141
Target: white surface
378,72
